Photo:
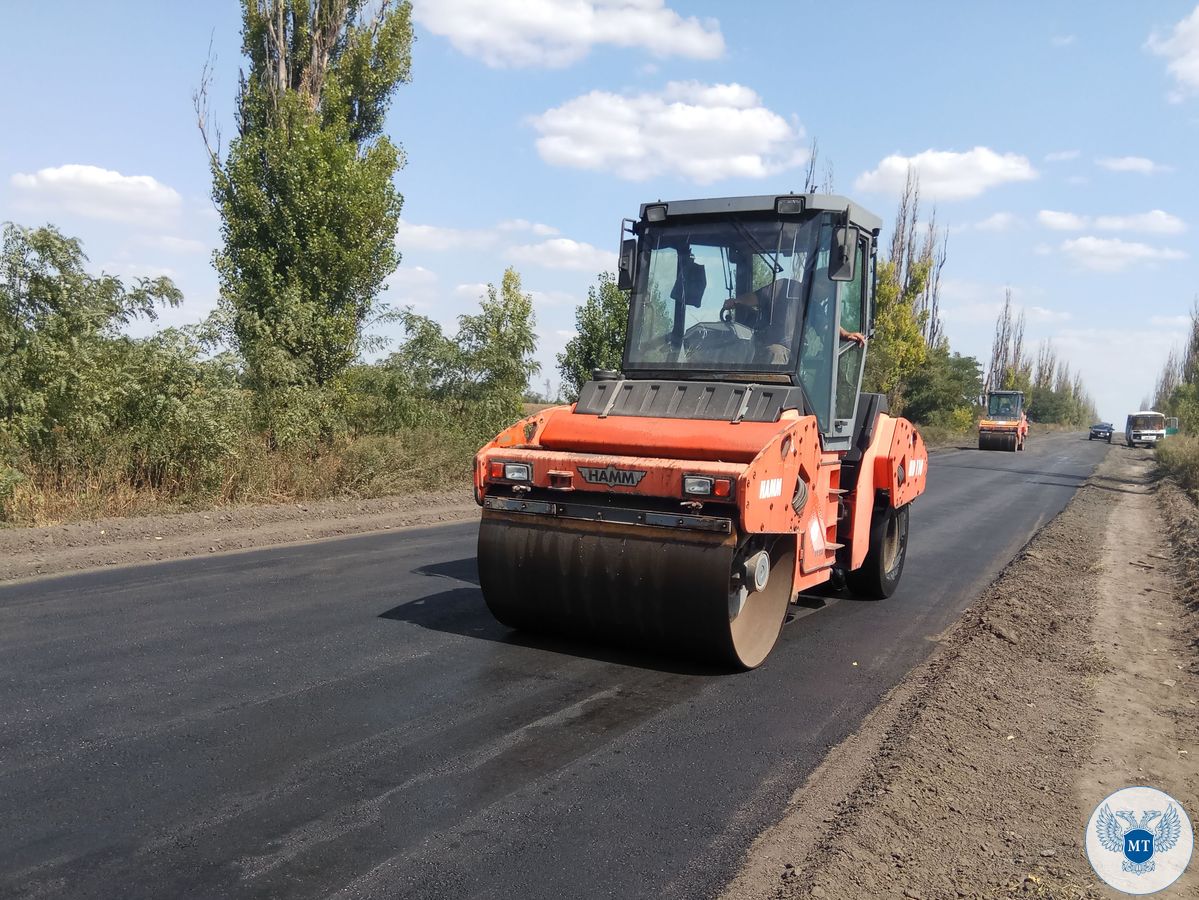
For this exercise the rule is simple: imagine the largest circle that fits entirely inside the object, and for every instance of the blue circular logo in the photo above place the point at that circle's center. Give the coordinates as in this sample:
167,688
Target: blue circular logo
1139,840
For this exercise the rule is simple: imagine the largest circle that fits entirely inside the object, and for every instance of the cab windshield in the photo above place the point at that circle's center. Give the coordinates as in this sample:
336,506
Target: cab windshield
743,295
1003,406
727,295
1147,423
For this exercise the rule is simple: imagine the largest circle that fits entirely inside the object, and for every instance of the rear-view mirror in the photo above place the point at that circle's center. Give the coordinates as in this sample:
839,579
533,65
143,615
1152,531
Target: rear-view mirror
844,253
626,270
691,282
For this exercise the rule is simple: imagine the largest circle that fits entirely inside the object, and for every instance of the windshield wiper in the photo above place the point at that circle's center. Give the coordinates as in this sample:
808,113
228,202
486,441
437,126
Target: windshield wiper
761,251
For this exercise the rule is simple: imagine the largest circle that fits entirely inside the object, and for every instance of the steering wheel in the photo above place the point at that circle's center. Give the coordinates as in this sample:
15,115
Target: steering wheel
700,333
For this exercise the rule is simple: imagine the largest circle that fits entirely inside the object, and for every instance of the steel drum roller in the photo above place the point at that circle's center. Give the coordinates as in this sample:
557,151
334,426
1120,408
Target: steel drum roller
708,596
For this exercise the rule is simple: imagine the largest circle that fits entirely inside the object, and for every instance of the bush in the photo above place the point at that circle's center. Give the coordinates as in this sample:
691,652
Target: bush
1178,455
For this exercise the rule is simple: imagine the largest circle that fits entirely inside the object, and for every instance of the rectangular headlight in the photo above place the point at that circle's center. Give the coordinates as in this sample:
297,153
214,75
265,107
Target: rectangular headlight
697,484
655,213
517,471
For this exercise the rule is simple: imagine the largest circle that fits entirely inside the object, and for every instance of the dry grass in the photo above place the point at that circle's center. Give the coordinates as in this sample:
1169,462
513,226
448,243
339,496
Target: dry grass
372,466
1178,455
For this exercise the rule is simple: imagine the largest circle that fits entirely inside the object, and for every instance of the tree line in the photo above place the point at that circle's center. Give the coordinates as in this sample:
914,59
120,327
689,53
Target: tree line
269,398
1177,389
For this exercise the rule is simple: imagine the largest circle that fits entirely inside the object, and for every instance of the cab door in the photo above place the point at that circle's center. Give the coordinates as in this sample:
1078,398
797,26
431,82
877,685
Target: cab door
853,315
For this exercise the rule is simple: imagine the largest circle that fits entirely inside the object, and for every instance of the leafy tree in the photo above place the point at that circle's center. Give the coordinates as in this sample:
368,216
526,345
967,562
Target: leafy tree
483,370
897,348
945,390
305,193
600,324
63,380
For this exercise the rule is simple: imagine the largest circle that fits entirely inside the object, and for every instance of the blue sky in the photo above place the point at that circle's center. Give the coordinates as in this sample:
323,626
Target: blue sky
1056,140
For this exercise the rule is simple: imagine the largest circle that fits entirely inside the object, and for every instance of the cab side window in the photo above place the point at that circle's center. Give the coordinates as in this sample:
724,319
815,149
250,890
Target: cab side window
851,356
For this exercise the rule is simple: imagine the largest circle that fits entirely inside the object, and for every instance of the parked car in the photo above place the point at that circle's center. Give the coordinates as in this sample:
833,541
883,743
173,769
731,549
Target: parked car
1101,431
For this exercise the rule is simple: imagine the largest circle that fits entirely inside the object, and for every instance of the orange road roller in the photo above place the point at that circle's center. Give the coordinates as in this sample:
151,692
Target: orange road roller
733,463
1005,427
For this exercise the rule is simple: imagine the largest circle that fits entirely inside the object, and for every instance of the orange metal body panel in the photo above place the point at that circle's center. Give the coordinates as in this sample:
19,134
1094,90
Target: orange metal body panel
897,447
1004,425
767,462
647,436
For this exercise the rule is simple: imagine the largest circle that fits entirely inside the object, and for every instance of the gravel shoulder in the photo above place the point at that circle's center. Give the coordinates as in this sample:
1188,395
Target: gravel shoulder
80,546
1073,675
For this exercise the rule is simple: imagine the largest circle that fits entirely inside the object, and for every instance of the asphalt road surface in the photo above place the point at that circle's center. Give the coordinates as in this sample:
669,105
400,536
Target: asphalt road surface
345,718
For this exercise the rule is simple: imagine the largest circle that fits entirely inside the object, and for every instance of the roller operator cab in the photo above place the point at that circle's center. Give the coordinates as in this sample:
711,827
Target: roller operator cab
683,503
1004,426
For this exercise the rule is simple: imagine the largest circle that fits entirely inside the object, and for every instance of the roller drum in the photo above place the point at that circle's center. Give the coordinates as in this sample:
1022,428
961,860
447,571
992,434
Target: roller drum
679,591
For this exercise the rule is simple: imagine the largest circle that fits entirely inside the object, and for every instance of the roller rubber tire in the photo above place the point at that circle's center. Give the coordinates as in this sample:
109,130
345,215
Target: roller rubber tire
880,572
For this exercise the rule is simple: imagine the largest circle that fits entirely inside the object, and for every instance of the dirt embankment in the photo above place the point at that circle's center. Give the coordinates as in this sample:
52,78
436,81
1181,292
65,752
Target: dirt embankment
27,552
1073,676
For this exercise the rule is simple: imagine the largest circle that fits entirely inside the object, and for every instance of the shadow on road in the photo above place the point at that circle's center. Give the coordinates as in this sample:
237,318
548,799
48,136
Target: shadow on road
462,611
458,569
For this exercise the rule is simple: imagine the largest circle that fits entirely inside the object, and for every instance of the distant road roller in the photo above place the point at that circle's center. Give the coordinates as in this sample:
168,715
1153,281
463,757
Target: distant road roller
683,503
1004,427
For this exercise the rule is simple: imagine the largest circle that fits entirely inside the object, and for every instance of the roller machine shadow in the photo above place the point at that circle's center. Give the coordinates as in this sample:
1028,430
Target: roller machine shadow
684,503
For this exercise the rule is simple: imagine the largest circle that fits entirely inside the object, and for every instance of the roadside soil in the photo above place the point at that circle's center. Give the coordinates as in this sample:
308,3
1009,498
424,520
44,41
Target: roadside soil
58,549
1074,675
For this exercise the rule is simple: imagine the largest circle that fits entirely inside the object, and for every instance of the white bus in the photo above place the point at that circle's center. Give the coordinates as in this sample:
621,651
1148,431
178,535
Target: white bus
1146,427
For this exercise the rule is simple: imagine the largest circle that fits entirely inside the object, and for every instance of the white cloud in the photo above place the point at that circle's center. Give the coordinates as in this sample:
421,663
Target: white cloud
413,286
1156,221
948,175
563,253
1181,49
138,270
702,132
435,237
557,33
474,290
1138,164
1062,156
1062,221
173,244
1000,221
965,302
98,194
536,228
554,298
1176,322
1063,40
1113,254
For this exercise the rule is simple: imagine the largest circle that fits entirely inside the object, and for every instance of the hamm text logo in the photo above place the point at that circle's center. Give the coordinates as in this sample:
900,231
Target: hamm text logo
770,487
612,476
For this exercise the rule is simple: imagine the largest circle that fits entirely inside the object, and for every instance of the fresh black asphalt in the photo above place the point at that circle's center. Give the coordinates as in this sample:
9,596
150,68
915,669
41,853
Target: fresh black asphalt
345,719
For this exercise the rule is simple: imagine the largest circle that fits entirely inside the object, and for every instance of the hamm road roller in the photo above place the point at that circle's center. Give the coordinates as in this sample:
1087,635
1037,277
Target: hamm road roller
684,502
1005,427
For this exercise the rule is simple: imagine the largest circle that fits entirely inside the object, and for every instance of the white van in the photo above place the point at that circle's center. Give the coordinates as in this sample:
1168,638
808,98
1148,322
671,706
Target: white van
1146,427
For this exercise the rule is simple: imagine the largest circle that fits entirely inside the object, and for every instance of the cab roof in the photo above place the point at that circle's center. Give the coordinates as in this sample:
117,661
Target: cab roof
767,203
